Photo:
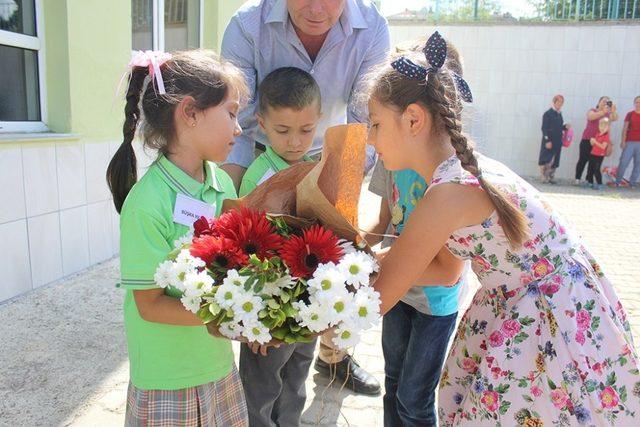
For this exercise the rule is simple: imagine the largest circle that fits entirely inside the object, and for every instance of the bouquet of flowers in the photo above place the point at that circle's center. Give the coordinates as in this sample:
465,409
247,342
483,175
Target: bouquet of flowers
255,276
294,272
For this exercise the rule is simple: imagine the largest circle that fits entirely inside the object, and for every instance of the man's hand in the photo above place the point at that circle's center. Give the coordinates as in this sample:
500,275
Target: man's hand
236,172
548,145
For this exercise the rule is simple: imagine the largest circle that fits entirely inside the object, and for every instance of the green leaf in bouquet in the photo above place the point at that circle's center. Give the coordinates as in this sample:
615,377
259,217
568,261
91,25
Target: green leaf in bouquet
255,261
285,297
276,261
290,338
205,314
270,322
281,317
214,308
173,255
249,283
295,327
273,304
288,310
279,333
259,286
300,288
262,314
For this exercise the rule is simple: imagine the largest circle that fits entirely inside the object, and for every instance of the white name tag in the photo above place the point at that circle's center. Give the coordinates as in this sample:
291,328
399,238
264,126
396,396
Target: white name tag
188,210
268,174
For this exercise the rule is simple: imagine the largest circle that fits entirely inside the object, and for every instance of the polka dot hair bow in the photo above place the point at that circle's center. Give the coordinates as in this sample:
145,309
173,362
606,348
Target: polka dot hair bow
435,52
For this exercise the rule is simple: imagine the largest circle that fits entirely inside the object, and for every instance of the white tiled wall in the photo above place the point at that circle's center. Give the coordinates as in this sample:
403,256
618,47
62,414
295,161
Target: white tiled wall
514,71
56,215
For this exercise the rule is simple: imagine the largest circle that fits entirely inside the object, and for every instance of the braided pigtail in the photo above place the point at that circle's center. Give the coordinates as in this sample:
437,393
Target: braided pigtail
513,221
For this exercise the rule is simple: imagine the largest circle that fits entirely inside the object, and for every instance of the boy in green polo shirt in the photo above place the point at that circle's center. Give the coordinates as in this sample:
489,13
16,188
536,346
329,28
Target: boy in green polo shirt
288,112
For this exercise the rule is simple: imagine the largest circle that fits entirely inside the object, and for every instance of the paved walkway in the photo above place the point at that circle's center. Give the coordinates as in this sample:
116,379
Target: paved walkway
63,357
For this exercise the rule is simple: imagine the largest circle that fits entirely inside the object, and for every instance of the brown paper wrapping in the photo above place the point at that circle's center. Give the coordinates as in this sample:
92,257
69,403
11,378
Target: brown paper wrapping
327,191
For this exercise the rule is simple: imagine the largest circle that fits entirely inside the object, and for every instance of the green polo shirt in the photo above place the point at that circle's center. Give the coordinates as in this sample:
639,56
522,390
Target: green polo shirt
166,357
266,165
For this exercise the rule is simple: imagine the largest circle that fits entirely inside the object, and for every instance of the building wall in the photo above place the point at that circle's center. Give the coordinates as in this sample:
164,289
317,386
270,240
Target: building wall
57,216
514,71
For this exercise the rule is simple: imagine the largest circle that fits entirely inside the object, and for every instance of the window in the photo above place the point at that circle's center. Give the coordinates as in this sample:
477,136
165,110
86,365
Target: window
21,63
166,25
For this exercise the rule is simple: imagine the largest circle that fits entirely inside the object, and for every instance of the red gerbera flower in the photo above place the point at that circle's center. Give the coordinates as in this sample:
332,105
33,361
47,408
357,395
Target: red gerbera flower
317,245
218,252
251,231
202,227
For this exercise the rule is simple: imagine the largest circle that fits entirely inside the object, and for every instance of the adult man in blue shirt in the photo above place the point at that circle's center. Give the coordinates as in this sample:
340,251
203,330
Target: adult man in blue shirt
336,41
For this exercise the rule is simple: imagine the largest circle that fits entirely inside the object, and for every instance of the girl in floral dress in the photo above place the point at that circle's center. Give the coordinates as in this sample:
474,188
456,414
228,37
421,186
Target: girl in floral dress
546,340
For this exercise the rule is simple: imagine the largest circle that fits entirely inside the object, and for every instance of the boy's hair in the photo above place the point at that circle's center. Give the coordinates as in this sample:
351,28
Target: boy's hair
197,73
288,87
438,94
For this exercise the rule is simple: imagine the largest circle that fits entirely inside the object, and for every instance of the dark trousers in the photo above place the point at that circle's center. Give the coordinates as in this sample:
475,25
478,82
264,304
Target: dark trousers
585,153
414,346
595,164
274,384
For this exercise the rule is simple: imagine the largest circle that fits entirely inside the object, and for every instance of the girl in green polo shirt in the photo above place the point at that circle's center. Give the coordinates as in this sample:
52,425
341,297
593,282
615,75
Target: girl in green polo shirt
179,373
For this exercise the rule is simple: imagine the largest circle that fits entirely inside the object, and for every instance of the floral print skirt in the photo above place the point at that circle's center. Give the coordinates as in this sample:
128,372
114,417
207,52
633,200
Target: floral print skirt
554,352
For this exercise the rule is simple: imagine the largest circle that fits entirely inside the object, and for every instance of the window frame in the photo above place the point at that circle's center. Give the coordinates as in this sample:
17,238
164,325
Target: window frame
157,16
35,43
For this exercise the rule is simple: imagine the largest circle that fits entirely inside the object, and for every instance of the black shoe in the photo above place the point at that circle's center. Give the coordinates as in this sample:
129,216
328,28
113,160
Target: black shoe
349,373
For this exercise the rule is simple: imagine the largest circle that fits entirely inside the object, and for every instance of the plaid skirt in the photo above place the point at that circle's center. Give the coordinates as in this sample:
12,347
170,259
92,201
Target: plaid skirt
215,404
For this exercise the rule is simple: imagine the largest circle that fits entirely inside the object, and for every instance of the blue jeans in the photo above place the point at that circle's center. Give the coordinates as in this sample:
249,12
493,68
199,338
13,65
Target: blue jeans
414,346
631,151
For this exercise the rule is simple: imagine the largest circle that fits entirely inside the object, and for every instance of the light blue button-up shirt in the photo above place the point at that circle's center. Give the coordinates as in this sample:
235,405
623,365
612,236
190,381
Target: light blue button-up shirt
260,38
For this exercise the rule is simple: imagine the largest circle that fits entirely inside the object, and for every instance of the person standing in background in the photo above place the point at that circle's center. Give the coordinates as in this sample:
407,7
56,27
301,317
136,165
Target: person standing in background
551,144
630,145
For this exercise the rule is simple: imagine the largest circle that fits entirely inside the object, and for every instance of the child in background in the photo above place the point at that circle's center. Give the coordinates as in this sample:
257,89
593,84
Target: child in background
600,146
423,315
289,110
179,373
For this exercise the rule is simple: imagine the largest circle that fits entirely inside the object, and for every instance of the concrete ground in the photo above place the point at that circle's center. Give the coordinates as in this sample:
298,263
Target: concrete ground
63,358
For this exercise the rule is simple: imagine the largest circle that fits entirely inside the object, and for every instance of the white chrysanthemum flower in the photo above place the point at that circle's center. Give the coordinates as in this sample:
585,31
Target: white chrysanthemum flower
226,295
197,283
366,311
356,268
347,246
346,336
230,330
246,307
328,278
338,304
191,303
185,257
256,332
184,240
163,275
275,288
234,279
314,316
183,265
